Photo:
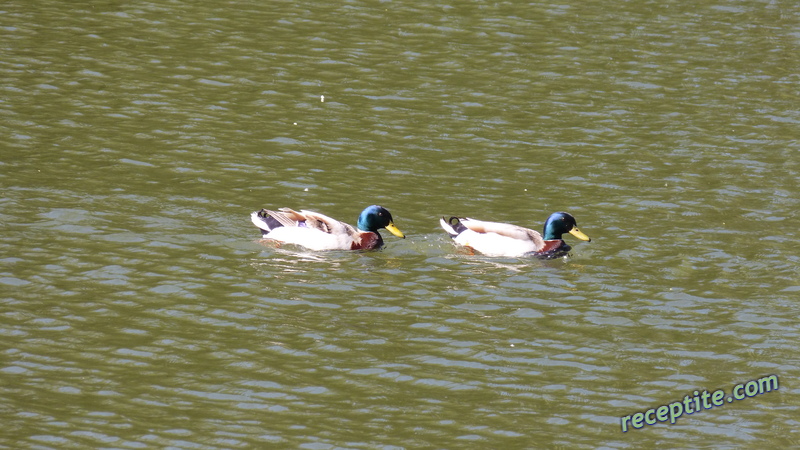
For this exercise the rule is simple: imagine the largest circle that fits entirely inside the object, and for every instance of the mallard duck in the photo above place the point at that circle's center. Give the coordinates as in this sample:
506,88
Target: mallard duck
504,239
319,232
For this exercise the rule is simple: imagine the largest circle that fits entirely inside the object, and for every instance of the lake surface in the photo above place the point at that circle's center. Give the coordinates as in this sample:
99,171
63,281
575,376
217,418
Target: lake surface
138,308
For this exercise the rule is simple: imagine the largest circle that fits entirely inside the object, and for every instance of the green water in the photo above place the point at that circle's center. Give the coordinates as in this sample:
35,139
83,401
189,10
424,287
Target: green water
139,310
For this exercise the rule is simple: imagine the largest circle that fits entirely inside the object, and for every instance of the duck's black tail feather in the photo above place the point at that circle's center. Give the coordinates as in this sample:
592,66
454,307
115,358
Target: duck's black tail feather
264,221
453,226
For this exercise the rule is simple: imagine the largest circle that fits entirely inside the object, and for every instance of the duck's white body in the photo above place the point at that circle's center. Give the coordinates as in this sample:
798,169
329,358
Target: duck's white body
494,238
310,238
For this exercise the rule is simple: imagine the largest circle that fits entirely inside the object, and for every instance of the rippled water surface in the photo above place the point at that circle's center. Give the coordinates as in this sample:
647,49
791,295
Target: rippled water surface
138,308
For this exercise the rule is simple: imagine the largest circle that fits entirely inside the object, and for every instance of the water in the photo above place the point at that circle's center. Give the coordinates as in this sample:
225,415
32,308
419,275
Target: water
140,310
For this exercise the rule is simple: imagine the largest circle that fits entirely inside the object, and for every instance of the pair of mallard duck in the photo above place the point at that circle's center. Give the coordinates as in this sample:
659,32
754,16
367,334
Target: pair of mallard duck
319,232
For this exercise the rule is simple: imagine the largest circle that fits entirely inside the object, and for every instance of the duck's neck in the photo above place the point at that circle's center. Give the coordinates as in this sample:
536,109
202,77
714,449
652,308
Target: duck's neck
550,231
550,234
363,225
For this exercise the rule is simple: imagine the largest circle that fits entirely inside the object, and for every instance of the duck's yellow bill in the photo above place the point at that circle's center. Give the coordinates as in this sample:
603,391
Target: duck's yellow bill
395,231
579,234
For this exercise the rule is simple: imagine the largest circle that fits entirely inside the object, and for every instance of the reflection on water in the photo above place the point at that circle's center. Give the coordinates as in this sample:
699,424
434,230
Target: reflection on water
140,308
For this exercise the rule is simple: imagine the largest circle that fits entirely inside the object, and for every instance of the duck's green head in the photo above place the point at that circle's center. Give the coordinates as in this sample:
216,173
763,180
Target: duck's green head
560,223
375,217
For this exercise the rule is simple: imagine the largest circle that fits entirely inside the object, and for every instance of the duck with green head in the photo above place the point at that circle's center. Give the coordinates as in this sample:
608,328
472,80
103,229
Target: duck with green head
319,232
504,239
